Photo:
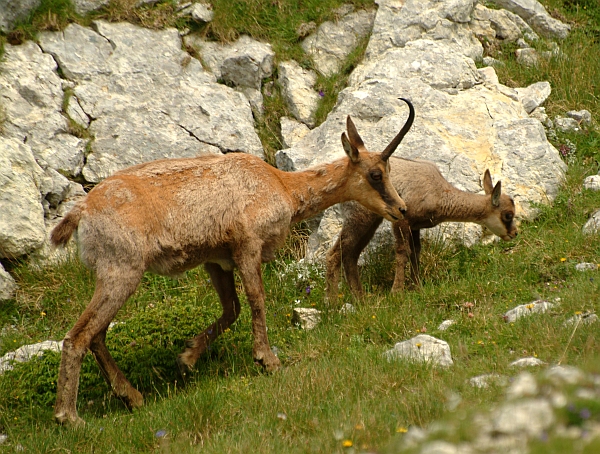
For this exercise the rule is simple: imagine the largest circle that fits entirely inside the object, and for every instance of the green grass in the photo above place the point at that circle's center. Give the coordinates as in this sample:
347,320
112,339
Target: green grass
335,387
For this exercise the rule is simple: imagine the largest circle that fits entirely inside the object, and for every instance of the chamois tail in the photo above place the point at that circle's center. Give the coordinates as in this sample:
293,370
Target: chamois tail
63,231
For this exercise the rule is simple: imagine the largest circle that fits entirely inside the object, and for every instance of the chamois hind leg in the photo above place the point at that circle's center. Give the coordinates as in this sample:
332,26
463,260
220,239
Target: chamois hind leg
224,283
113,288
415,257
358,229
402,235
121,387
247,256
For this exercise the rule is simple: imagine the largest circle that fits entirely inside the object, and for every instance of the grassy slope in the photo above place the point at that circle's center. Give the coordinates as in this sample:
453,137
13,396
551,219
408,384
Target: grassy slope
335,389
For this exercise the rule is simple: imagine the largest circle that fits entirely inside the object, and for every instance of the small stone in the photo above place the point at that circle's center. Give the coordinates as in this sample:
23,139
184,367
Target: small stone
347,308
535,307
583,319
422,348
592,182
3,438
527,362
566,124
524,385
581,116
529,417
491,61
306,317
202,13
527,57
564,374
446,324
585,266
484,381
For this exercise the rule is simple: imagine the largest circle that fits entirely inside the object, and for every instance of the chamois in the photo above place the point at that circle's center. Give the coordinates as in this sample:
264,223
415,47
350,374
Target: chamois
224,211
430,200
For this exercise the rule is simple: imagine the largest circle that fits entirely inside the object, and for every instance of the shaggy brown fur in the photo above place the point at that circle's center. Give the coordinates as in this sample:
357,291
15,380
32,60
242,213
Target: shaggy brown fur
226,211
430,200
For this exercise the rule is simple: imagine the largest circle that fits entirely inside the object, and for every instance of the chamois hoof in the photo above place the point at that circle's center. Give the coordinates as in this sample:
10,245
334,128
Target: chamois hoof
185,361
70,420
135,399
269,362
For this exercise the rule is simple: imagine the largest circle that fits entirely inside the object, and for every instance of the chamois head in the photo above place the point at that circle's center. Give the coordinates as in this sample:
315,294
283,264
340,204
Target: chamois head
501,216
371,185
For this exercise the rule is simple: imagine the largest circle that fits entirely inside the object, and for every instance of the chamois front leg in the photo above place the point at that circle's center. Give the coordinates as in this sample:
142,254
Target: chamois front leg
402,235
224,283
358,229
248,260
415,257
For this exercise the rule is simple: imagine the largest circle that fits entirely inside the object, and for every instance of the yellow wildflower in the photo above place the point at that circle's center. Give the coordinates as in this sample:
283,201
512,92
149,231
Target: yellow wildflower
562,259
401,430
347,444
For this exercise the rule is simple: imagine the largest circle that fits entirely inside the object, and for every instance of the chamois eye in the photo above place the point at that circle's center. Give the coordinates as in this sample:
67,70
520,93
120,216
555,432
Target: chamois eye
376,176
508,217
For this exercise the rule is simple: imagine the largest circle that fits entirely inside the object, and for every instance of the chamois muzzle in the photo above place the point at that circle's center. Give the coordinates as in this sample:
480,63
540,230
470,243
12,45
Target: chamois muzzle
396,140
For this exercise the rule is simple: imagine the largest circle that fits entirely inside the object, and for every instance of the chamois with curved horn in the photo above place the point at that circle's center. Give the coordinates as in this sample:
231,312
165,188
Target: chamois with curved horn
430,200
223,211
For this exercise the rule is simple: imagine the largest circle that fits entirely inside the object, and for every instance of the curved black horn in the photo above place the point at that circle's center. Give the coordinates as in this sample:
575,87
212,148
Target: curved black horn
396,141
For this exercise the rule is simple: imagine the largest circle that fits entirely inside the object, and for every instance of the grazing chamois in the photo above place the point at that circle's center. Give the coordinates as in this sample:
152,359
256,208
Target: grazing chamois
430,200
223,211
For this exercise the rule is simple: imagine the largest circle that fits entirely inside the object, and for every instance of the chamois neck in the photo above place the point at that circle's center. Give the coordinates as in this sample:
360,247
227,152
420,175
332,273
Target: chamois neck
317,188
461,206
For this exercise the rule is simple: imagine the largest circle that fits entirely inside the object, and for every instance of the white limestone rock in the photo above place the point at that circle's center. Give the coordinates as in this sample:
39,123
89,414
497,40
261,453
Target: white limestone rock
530,417
527,362
11,11
537,17
306,318
297,85
484,381
8,286
21,179
149,99
524,385
534,95
586,318
422,348
581,116
399,22
446,324
592,226
32,97
586,266
566,124
564,375
527,57
243,63
331,44
525,310
292,131
27,352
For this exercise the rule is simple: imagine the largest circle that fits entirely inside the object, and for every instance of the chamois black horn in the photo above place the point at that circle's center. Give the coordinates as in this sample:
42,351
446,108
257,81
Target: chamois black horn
396,140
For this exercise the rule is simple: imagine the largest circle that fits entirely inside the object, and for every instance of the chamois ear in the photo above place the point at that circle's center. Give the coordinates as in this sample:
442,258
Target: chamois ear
353,135
351,151
496,194
488,186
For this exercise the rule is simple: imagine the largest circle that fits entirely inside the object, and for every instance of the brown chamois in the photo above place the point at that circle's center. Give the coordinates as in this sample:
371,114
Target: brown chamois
223,211
430,200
